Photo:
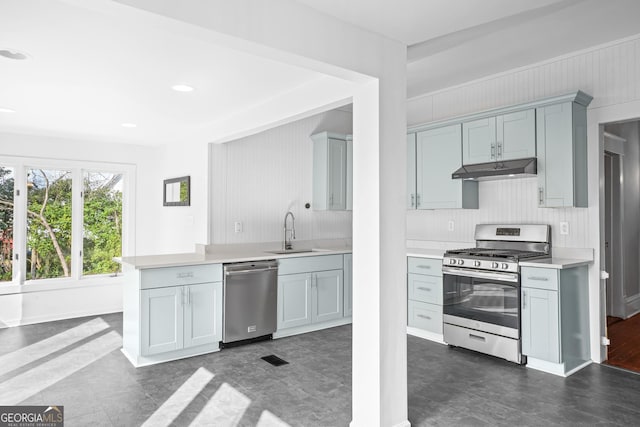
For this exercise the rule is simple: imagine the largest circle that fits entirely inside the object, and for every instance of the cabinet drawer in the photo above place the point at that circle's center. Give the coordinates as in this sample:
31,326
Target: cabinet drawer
425,316
425,288
431,266
186,275
540,278
308,264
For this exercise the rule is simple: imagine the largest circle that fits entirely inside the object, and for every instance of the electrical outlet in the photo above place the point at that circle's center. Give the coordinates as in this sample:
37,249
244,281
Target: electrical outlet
237,227
564,228
451,226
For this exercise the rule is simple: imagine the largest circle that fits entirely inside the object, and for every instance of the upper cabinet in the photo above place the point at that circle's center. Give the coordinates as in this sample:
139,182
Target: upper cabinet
502,137
332,171
562,154
437,154
553,130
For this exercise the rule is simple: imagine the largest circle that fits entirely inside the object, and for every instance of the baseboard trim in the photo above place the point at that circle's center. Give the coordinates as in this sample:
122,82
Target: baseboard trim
311,328
404,423
633,305
431,336
553,368
61,316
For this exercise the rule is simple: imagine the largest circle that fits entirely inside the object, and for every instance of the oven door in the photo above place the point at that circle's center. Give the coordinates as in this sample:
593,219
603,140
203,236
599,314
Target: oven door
483,300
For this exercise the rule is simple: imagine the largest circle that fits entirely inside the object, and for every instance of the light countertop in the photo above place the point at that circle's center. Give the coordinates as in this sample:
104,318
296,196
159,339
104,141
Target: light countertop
557,263
220,254
426,253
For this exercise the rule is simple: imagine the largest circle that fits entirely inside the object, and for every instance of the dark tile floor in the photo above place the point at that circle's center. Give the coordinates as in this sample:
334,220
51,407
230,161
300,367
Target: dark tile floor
447,387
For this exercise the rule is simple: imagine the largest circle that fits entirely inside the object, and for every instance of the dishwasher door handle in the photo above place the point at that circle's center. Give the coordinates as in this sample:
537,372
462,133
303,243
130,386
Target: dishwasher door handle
250,270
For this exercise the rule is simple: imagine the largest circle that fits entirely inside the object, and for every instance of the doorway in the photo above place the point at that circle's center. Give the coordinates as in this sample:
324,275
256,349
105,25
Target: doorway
622,242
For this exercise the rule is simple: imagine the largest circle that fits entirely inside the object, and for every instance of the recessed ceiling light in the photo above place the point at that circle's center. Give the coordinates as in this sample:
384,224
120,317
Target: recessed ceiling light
6,110
182,88
129,125
13,54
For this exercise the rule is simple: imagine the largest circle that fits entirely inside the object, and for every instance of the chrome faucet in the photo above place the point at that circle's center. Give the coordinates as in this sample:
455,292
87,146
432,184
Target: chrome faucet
286,244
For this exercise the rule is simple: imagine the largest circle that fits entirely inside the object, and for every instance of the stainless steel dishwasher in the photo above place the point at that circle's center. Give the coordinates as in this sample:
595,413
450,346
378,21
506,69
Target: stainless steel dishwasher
250,301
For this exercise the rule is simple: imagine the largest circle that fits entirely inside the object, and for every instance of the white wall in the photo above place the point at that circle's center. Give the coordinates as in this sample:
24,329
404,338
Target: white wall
257,179
610,73
67,298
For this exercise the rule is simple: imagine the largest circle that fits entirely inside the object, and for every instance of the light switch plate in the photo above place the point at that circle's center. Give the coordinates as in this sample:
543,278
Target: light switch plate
451,226
237,227
564,228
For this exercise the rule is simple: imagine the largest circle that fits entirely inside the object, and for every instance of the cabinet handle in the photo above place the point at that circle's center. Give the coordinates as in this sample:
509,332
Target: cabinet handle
524,299
493,151
424,316
413,200
538,278
184,275
188,296
477,337
499,150
426,267
424,289
540,196
417,200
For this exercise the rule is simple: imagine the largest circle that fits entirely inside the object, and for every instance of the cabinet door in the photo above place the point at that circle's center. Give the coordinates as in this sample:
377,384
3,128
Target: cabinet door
516,135
294,300
162,320
438,156
348,285
203,314
327,297
540,333
555,155
479,141
411,171
337,184
349,175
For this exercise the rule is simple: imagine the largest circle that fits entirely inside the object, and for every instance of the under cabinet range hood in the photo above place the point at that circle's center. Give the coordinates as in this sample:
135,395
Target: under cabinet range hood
498,170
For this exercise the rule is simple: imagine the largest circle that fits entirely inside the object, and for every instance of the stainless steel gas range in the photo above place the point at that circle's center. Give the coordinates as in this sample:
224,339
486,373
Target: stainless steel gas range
482,288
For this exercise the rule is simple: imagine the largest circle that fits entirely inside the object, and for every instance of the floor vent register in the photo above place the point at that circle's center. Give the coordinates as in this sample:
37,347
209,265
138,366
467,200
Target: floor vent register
274,360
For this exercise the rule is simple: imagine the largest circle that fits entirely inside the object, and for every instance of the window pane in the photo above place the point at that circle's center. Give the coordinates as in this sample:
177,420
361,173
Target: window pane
102,237
48,223
6,223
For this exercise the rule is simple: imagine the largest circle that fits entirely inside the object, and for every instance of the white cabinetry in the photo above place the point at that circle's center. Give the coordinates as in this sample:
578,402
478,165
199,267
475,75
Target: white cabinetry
332,173
437,157
562,153
555,319
310,294
424,305
502,137
172,312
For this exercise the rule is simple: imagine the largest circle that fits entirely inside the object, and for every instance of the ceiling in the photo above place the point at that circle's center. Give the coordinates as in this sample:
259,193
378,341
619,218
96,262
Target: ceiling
90,71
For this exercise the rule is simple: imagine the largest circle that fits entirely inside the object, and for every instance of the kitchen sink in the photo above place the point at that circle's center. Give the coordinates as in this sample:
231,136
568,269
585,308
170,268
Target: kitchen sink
296,251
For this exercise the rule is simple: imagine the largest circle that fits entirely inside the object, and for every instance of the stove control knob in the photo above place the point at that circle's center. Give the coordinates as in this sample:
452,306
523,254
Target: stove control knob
505,266
494,265
476,263
452,261
460,262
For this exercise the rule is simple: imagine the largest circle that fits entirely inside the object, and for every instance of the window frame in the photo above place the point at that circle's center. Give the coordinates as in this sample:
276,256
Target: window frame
21,165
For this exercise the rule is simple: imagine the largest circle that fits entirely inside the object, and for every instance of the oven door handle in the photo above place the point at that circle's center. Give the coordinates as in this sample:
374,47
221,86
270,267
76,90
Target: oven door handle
466,272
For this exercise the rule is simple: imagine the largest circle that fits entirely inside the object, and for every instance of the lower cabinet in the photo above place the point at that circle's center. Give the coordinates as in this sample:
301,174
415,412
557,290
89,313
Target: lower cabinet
312,299
309,298
172,312
555,319
180,317
424,290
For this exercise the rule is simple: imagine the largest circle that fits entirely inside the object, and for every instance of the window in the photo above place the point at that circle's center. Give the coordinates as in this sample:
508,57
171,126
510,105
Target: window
61,221
7,180
102,231
49,217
